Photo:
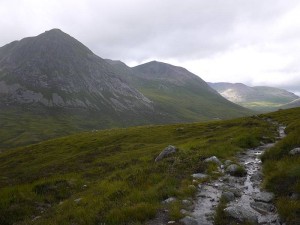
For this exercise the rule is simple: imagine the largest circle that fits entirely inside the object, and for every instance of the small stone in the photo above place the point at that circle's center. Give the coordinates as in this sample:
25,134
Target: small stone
36,218
169,200
228,196
186,202
263,197
78,200
256,177
227,163
189,221
184,212
213,159
294,196
171,222
295,151
166,152
262,207
241,214
199,175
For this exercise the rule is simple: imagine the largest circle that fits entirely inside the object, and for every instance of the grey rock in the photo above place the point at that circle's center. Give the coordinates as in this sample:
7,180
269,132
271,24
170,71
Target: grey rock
228,196
213,159
166,152
237,192
78,200
199,175
186,202
169,200
234,170
262,207
227,163
241,214
36,218
184,212
256,177
189,221
263,197
295,196
295,151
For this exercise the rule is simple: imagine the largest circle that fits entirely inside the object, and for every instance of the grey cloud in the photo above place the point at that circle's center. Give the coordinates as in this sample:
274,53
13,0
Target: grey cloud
137,30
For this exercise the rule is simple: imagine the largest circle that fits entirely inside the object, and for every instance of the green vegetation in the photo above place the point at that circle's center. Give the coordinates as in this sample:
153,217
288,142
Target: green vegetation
282,171
23,126
110,176
261,106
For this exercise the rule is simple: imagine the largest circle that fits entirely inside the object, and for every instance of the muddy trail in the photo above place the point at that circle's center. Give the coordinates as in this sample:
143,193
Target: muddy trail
246,200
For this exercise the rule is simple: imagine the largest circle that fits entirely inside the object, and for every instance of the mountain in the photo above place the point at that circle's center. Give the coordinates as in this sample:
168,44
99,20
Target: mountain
52,85
53,81
259,98
180,94
292,104
55,70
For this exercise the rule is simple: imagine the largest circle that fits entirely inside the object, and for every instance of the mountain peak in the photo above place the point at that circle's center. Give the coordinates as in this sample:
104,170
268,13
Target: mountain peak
165,71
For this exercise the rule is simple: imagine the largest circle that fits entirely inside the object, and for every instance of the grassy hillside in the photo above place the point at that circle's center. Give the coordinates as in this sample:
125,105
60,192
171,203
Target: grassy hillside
189,103
282,170
22,126
182,94
110,176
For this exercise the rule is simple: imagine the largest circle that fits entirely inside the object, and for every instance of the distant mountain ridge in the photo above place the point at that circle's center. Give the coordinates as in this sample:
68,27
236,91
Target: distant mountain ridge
177,92
256,98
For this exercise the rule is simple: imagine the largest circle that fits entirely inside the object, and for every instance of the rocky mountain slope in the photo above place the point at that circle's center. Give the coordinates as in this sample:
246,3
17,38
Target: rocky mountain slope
53,81
52,84
257,98
177,92
54,69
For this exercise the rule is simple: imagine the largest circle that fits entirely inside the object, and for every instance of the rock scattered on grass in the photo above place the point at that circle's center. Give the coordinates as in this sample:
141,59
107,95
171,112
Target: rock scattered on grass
295,151
169,200
166,152
199,175
213,159
236,170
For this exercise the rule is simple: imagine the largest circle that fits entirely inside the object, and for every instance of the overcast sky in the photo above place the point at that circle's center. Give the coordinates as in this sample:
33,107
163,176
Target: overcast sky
256,42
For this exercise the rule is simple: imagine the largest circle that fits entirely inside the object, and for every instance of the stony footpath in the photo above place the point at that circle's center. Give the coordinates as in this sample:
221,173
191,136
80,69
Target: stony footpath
240,186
